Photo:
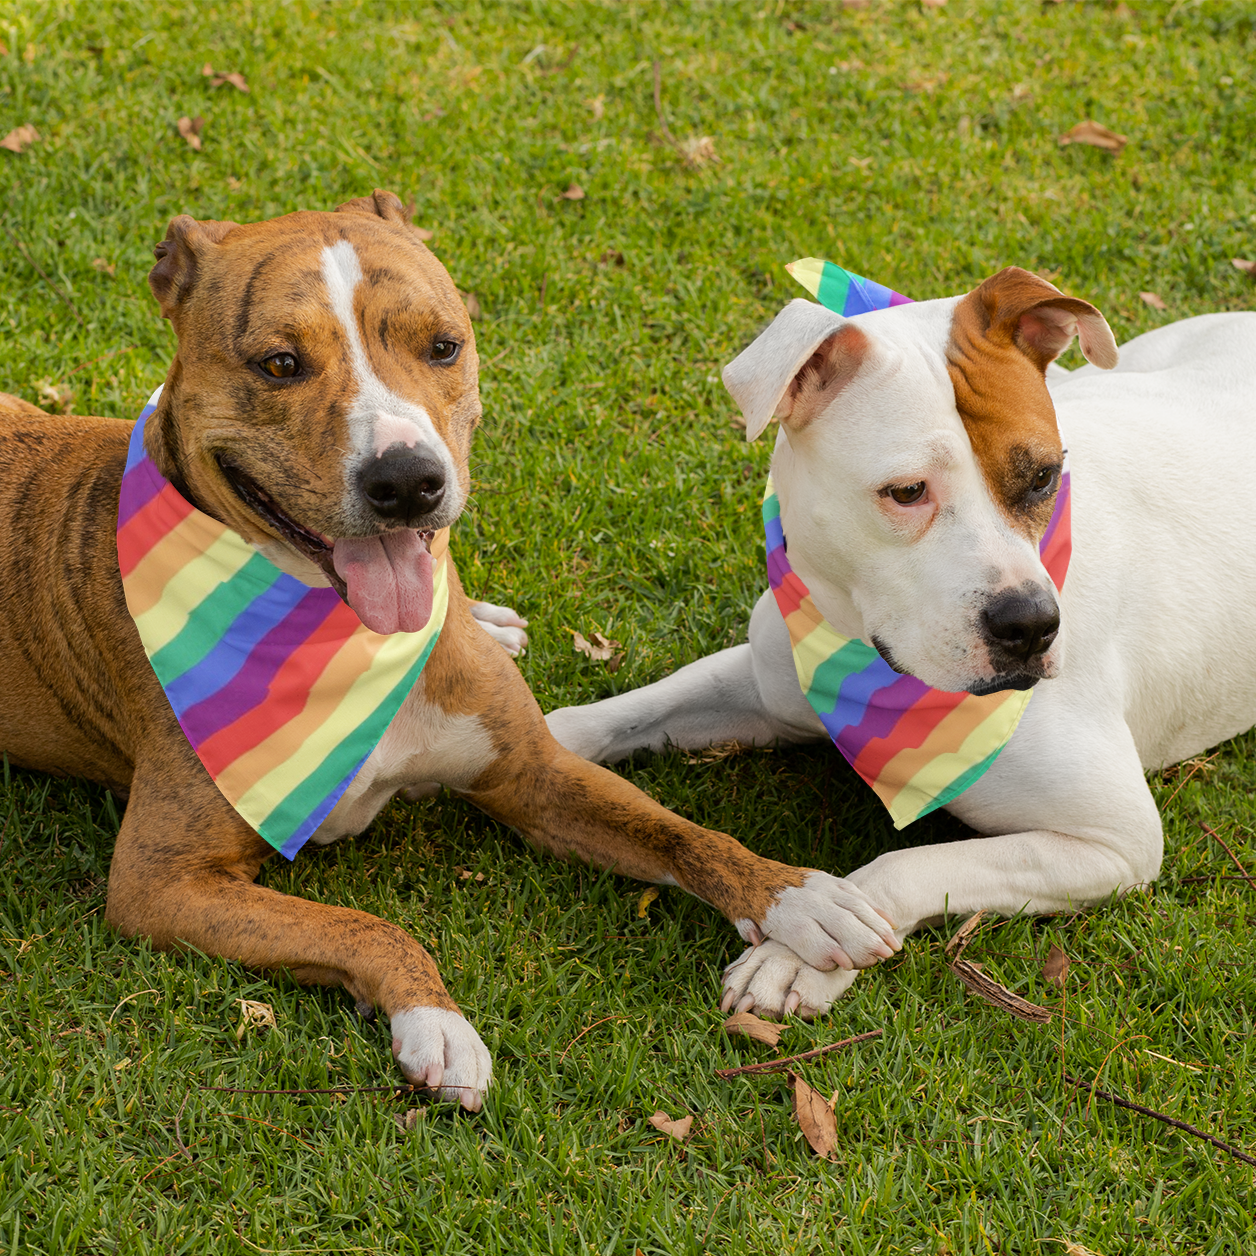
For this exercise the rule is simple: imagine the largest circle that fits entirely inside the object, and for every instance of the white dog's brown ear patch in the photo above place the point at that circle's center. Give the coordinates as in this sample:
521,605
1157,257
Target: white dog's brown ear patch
178,256
1003,335
796,367
1040,320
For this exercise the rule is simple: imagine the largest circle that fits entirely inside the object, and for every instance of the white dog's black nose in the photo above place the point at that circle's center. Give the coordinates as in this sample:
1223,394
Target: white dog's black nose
1022,624
403,485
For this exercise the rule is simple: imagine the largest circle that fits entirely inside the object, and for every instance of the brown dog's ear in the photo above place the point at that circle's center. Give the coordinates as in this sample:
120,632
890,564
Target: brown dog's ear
379,204
1025,310
796,367
177,255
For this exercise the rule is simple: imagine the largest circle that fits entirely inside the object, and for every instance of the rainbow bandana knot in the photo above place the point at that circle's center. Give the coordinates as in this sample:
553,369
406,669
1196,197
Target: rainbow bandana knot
280,689
918,747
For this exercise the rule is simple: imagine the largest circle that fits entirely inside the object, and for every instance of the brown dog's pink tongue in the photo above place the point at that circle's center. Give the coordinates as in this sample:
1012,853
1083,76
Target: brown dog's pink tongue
389,579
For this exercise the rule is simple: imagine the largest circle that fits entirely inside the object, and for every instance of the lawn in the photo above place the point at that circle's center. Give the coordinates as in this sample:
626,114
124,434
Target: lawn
911,143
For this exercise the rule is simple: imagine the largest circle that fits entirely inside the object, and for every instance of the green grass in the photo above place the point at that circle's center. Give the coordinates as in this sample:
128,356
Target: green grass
614,494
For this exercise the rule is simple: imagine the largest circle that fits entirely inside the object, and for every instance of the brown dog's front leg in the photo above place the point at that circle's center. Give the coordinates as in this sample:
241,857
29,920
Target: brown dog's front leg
182,874
565,804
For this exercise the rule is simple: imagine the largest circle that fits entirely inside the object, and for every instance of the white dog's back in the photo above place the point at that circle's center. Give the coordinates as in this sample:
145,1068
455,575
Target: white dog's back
1163,455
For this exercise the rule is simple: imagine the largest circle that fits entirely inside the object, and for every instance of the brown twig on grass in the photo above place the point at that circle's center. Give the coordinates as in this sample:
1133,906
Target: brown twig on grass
1220,842
113,353
658,106
40,270
278,1129
397,1092
771,1066
986,987
1160,1116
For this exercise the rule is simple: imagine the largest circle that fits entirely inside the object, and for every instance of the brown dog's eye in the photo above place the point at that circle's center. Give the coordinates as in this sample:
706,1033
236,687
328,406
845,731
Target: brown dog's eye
905,494
280,365
444,350
1043,479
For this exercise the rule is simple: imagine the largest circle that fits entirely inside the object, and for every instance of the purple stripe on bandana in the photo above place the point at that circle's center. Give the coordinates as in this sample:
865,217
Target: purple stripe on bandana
251,684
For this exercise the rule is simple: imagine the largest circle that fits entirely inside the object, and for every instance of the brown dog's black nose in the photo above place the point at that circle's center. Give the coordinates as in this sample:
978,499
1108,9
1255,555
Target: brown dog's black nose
1022,624
403,485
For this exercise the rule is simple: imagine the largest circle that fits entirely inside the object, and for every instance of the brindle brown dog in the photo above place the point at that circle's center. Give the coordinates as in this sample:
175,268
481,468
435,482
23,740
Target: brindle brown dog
321,404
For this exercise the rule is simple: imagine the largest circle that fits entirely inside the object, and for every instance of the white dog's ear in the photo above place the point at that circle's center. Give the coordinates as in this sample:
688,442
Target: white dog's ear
1041,320
796,367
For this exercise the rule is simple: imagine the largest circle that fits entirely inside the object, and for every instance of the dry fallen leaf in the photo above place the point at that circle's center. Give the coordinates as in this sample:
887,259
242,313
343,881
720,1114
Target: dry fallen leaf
611,257
424,233
54,397
679,1130
472,302
1096,135
814,1117
601,650
749,1024
1154,301
698,151
597,106
190,129
856,4
220,77
17,139
986,987
574,193
1055,966
254,1015
933,4
107,268
643,903
1241,263
1075,1249
406,1121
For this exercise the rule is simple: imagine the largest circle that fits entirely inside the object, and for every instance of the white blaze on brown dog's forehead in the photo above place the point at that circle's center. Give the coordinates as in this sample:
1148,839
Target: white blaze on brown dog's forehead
378,417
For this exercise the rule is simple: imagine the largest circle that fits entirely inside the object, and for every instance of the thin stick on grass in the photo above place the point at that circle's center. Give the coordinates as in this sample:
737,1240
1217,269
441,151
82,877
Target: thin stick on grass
582,1033
1160,1116
658,107
1221,842
771,1066
278,1129
397,1092
56,288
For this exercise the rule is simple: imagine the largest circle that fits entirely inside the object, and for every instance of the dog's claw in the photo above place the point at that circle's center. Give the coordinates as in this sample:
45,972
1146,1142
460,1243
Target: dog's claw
439,1050
774,981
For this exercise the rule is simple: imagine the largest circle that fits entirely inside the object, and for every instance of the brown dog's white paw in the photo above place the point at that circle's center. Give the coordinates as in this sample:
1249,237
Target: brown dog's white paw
830,922
503,625
439,1049
770,980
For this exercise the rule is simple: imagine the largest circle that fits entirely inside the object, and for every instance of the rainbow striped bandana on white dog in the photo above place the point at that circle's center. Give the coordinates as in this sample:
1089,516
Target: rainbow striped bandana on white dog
917,747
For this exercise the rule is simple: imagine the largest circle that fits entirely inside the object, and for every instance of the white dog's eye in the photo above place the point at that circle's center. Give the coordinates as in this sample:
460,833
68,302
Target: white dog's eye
905,494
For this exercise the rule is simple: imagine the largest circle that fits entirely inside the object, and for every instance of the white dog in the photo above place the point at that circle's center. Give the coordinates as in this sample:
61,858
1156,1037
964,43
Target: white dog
917,464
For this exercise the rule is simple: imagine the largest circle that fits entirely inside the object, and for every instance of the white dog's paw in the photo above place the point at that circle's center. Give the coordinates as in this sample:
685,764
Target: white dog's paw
438,1048
503,625
830,923
770,980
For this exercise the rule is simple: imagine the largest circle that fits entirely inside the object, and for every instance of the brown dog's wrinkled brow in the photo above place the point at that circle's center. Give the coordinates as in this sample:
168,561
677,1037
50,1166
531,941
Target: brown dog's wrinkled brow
1001,392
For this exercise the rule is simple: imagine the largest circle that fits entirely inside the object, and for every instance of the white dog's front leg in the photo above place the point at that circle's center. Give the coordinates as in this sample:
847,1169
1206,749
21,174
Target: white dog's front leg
748,694
1073,823
1104,837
